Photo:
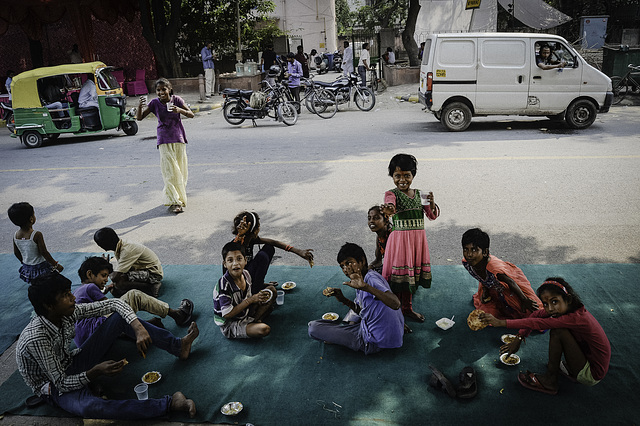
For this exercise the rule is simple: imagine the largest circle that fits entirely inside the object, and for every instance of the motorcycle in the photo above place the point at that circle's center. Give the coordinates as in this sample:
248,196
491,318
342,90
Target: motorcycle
337,61
344,87
6,114
240,105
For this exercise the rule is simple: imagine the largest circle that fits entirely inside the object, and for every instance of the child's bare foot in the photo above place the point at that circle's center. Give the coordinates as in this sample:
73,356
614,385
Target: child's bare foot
187,340
414,315
179,402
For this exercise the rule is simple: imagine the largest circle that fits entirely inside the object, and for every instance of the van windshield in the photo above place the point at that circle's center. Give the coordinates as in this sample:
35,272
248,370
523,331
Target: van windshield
106,80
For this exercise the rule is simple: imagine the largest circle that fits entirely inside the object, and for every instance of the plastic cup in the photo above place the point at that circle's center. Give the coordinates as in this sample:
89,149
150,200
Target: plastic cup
169,106
280,297
142,391
423,197
144,98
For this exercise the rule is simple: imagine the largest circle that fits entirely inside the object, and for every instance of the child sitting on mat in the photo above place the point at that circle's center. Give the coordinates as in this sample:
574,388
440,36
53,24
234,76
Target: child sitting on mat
379,223
237,310
503,289
138,267
94,274
574,333
381,324
246,227
28,245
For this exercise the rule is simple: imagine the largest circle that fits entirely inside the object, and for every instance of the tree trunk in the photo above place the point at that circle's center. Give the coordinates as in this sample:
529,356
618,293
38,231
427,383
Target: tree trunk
161,35
408,40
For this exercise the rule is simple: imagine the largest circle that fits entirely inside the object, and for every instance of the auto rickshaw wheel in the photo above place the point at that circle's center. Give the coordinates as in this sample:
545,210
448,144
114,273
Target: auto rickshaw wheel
31,139
129,128
53,136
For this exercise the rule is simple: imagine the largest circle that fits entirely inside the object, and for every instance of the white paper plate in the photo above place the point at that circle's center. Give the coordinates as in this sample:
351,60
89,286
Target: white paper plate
505,337
332,316
231,408
149,373
445,323
289,285
503,357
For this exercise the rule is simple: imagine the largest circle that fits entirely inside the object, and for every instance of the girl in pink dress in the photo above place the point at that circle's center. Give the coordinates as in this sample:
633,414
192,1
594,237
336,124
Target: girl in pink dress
407,263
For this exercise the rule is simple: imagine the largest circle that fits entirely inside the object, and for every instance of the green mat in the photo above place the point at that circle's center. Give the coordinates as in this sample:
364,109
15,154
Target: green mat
289,378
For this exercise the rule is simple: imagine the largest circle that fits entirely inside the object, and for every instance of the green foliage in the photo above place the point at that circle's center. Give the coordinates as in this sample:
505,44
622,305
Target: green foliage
216,21
382,13
344,18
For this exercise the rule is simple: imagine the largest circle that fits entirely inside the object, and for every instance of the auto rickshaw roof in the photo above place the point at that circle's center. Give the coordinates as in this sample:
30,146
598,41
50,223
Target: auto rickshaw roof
24,86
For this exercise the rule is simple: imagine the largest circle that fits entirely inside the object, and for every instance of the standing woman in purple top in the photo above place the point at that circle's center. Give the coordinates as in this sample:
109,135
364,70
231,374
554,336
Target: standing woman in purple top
171,142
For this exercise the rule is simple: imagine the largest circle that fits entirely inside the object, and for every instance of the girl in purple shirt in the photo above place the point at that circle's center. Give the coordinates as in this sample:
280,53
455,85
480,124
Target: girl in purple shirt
172,141
574,333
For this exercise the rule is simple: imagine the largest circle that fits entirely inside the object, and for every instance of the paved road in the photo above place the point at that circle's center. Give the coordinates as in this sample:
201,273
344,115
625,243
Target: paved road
544,193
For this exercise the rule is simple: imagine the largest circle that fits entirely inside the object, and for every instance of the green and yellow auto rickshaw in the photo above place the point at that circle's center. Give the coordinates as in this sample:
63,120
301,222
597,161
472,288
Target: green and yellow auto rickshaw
74,98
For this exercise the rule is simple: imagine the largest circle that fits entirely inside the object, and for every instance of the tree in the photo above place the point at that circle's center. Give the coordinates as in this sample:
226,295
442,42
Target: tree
344,17
160,25
408,40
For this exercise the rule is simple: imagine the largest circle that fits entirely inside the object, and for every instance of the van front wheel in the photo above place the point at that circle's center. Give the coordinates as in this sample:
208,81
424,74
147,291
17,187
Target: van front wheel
456,116
581,114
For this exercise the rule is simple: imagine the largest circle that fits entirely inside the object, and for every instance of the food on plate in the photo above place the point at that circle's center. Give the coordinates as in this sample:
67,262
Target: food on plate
508,338
330,316
445,323
151,377
512,359
328,291
473,321
288,285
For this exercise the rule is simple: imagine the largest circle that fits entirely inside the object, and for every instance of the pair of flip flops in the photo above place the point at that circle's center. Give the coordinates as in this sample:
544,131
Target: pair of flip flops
467,386
186,307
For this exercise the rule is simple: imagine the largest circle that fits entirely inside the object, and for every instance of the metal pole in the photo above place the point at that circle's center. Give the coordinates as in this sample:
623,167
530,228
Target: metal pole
239,52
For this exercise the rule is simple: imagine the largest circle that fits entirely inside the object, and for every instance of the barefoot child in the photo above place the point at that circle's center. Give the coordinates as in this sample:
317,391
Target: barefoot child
407,263
503,289
94,274
138,266
172,142
237,311
379,223
246,227
575,333
28,245
61,376
381,324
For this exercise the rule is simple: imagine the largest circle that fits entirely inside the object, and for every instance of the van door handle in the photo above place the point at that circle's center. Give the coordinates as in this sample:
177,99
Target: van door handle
537,77
520,79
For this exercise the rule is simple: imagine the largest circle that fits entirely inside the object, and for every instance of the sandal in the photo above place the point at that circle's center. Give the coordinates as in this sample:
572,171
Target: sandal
439,381
467,388
177,209
530,381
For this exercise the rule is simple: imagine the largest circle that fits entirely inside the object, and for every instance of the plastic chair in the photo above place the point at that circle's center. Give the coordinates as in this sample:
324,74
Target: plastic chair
119,75
138,87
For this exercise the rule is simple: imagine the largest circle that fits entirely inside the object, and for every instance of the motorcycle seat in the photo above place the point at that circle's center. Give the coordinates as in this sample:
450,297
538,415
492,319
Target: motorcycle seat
237,93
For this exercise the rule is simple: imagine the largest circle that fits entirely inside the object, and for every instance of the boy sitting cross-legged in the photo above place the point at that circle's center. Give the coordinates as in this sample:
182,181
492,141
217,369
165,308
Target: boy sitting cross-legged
237,311
62,376
94,274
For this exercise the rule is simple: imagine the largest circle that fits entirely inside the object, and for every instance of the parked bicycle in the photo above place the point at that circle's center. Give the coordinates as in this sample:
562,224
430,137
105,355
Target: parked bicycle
622,85
372,78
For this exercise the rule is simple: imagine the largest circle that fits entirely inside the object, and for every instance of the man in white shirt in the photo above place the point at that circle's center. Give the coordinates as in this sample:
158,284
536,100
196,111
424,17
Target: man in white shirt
347,60
363,65
88,97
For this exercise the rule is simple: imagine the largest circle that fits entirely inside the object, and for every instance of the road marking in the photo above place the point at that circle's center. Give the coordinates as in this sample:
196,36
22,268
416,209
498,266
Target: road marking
258,163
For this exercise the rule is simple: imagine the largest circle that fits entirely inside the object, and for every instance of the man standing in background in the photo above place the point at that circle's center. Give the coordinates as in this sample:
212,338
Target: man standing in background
209,72
347,60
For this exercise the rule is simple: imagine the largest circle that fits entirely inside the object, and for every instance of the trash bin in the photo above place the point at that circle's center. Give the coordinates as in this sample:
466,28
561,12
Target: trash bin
615,60
330,57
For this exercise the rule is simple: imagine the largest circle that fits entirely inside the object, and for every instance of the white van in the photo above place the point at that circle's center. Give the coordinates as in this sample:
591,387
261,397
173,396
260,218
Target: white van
478,74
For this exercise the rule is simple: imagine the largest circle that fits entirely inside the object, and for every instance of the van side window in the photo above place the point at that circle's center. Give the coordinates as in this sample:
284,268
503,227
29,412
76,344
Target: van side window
552,53
426,52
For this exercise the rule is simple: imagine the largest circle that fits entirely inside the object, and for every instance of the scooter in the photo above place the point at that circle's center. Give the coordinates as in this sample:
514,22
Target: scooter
337,61
240,105
322,63
6,114
343,88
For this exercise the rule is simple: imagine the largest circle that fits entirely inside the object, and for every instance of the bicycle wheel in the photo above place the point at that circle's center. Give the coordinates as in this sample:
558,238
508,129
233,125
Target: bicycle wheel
324,103
374,81
309,103
364,98
287,113
620,88
230,112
